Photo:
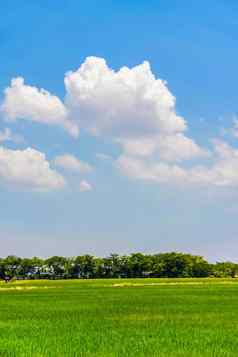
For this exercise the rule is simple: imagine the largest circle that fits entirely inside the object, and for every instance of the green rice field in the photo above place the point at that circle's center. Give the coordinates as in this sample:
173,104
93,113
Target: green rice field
106,318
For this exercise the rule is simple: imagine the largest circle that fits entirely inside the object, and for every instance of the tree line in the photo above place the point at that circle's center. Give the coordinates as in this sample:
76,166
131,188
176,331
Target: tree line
137,265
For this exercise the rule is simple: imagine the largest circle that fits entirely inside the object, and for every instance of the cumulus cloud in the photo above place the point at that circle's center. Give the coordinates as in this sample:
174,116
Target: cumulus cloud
134,110
84,186
130,106
22,101
28,169
222,172
176,147
128,101
70,162
153,171
179,147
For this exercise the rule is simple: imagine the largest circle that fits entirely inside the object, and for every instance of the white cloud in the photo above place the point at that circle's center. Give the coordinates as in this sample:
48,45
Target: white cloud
222,172
139,146
28,169
153,171
176,147
130,106
127,102
102,156
133,109
26,102
70,162
7,135
84,186
179,147
234,130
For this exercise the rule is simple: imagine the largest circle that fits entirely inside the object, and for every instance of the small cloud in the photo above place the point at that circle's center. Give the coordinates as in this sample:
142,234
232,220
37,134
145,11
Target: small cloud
84,186
29,169
231,131
103,157
224,131
70,162
22,101
7,135
234,130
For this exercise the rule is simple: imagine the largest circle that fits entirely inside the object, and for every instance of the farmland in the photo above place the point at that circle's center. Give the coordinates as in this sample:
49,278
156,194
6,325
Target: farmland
120,317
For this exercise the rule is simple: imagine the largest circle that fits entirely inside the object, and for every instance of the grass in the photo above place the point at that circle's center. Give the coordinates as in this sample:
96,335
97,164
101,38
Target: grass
105,318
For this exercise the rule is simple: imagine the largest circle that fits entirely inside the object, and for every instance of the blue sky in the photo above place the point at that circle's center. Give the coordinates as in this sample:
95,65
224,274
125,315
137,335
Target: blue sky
115,207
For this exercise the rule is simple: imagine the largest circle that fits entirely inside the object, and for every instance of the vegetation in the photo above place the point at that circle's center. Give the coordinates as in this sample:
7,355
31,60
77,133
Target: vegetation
137,265
119,318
